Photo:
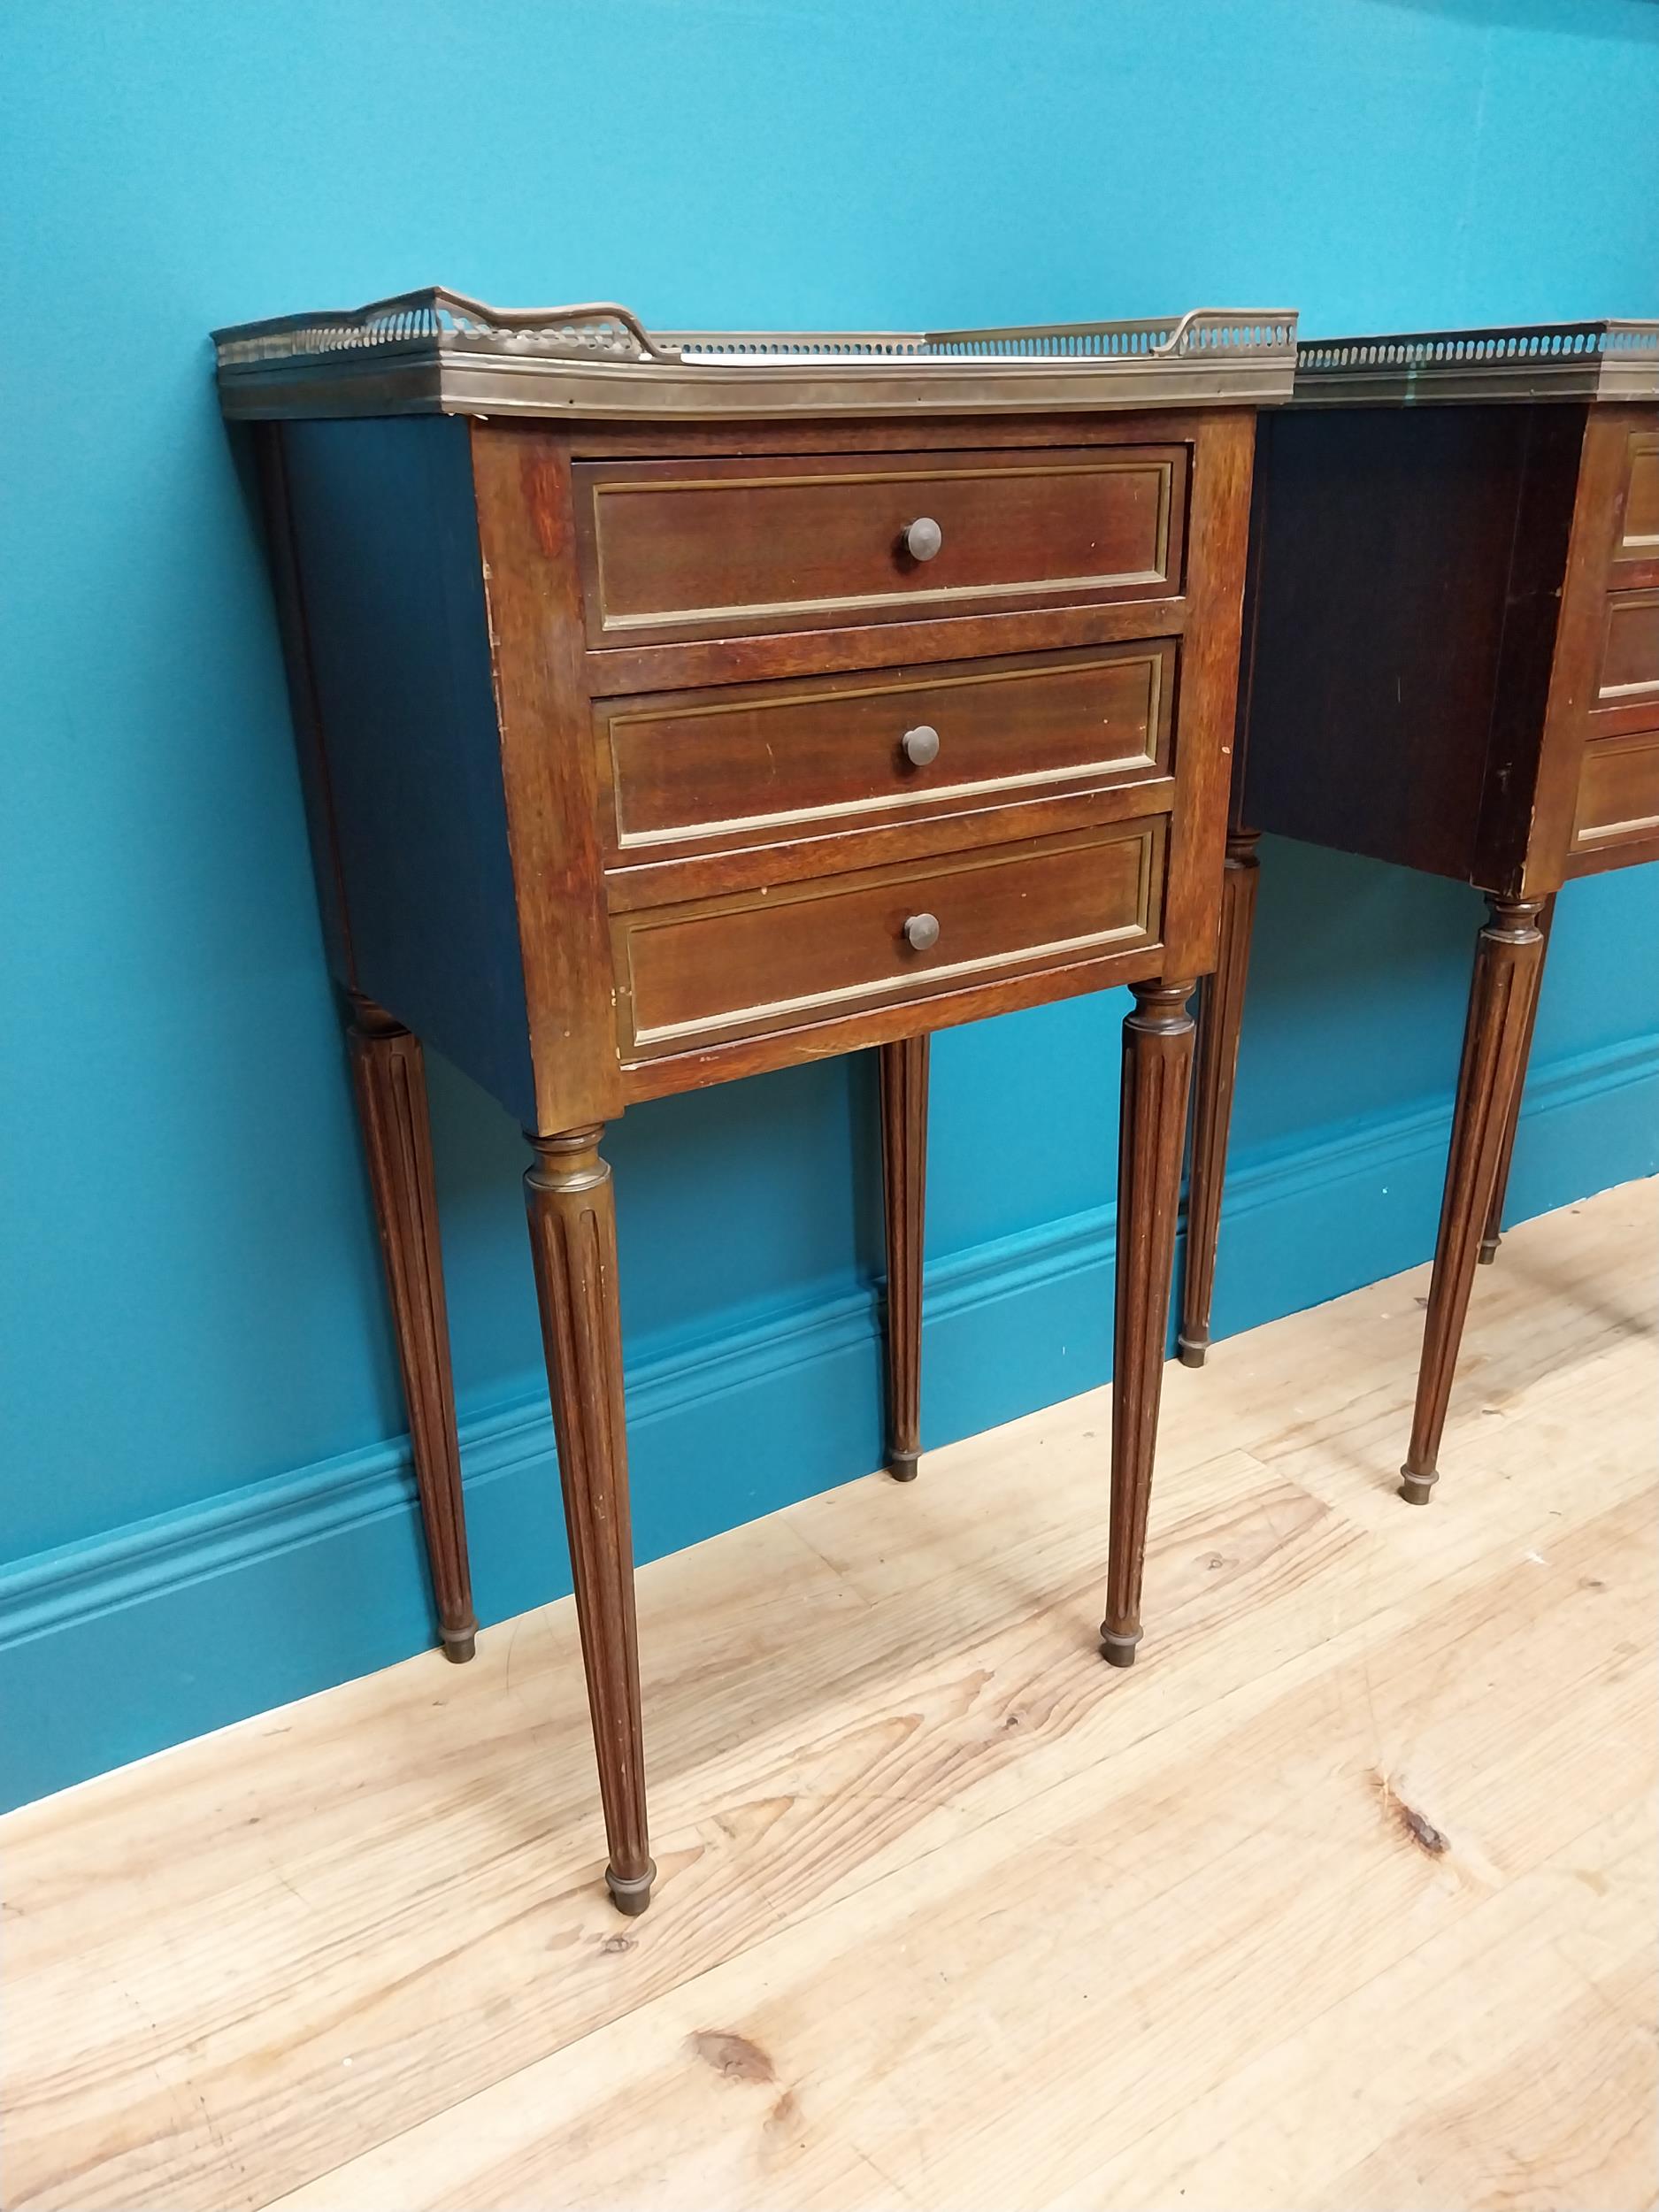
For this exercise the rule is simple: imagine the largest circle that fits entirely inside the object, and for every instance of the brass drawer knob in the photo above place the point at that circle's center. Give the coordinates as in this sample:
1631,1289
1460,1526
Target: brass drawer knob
921,932
920,745
923,538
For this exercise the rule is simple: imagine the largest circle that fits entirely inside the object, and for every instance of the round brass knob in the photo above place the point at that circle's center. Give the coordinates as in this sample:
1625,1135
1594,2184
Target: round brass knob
921,932
923,538
920,745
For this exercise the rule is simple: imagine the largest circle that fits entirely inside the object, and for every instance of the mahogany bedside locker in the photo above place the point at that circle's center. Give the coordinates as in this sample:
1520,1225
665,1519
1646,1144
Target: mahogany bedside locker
672,707
1452,662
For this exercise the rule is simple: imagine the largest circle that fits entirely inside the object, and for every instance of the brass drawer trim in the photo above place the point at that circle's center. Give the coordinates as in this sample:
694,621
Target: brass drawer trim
1600,756
608,550
617,724
1145,836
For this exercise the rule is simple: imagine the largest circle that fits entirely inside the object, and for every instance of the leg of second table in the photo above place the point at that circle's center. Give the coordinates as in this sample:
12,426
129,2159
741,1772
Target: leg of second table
1157,1068
1494,1236
1220,1014
1507,956
390,1077
574,1243
905,1188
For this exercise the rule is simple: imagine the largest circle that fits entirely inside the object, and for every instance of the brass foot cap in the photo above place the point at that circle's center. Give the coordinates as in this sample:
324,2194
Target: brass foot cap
1489,1250
1119,1651
631,1892
1415,1488
459,1644
901,1465
1191,1351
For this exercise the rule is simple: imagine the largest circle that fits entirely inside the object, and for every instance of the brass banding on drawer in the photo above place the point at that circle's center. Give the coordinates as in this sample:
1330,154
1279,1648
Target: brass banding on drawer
713,969
1630,652
1639,504
751,760
675,550
1618,791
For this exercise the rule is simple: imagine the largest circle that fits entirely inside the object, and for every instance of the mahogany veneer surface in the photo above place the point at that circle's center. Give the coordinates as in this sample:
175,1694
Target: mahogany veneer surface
557,878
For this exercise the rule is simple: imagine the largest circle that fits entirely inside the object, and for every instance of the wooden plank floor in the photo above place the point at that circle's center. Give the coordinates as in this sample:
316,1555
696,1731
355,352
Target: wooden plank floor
1343,1897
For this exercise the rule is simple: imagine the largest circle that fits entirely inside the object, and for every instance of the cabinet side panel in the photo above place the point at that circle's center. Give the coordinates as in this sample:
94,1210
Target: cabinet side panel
1261,480
1378,625
526,526
386,542
303,708
1206,715
1534,622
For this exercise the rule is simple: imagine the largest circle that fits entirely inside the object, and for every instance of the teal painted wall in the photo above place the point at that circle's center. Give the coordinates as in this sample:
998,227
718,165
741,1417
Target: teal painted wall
204,1502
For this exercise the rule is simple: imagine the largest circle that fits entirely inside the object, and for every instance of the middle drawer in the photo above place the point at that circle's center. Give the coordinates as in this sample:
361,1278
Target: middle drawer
688,770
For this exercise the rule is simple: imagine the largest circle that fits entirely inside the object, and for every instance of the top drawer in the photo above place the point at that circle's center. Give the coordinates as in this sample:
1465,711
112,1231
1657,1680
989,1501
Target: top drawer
674,549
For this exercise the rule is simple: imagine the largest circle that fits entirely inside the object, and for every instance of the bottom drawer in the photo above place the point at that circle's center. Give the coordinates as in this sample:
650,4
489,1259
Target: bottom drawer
1618,791
714,969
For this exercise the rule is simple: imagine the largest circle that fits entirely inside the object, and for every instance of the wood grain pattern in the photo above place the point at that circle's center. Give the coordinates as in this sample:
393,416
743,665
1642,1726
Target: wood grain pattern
669,549
877,1024
464,809
1630,657
762,961
1220,1020
696,769
1638,534
1408,584
885,1748
1431,2091
1494,1236
1577,718
304,707
996,819
1210,676
1509,958
384,543
627,669
1511,846
526,539
574,1242
1157,1066
1573,2117
390,1080
903,1080
795,437
1379,619
1618,793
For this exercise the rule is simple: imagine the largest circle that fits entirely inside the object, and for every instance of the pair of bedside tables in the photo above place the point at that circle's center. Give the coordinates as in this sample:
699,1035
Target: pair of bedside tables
672,707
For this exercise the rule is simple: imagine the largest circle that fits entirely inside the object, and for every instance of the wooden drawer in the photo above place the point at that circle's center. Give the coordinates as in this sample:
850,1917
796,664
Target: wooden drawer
1618,791
713,969
1637,535
1624,701
1630,653
674,550
754,761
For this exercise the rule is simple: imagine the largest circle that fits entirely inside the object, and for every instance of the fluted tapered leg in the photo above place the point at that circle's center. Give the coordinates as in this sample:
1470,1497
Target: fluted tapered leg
904,1187
574,1242
1220,1012
1157,1069
390,1080
1494,1236
1509,955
